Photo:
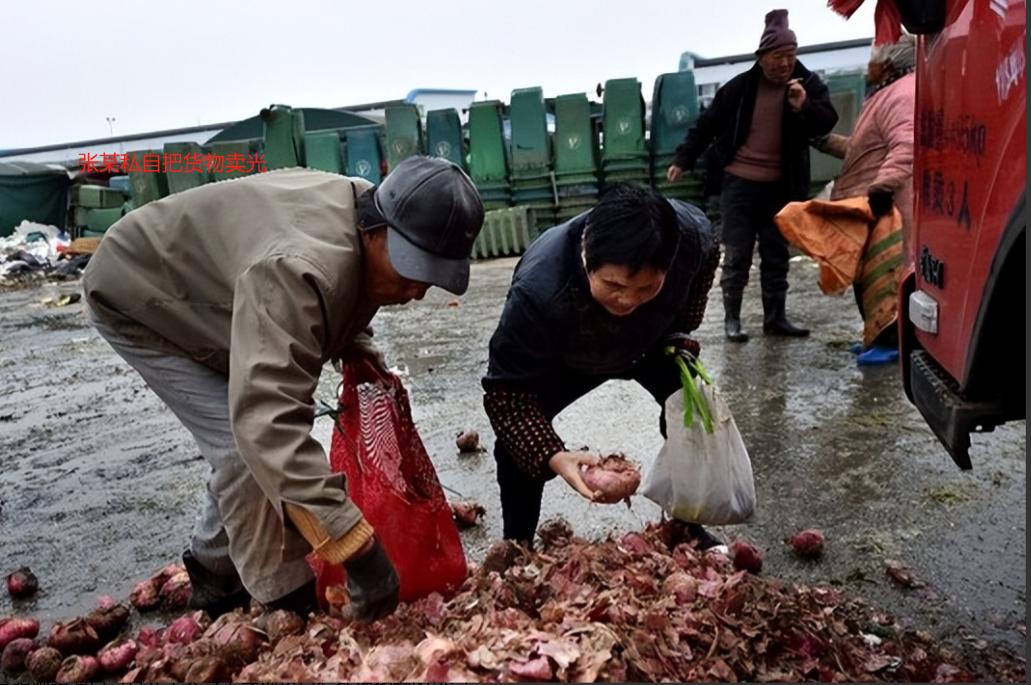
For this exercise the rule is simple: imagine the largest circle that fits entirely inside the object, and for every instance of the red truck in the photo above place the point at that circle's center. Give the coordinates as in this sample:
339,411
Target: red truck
962,301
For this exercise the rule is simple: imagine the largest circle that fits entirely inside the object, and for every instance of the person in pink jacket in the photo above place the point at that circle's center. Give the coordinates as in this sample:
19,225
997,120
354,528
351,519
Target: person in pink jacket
878,159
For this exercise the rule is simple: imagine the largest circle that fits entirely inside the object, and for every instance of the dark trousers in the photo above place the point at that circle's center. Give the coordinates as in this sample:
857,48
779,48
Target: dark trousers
747,209
520,494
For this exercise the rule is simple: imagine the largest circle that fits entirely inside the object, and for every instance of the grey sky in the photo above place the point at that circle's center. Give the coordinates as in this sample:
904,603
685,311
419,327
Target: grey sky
66,66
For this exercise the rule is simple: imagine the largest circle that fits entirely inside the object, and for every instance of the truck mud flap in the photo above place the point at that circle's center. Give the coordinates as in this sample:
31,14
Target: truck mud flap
950,416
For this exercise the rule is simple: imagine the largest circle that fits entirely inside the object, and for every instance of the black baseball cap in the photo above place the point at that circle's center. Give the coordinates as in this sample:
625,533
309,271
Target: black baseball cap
433,215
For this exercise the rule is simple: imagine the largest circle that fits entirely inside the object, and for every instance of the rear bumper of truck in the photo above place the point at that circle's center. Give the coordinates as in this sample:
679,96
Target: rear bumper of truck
950,416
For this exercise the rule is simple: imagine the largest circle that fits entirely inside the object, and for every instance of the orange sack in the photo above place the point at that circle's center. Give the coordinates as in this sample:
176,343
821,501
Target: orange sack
844,239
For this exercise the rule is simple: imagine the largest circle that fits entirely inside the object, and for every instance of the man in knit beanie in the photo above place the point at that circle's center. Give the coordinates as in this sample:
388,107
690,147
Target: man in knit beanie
759,125
777,34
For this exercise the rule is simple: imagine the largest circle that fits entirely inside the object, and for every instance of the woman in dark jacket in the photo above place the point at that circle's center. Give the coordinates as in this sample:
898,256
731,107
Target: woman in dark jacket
594,299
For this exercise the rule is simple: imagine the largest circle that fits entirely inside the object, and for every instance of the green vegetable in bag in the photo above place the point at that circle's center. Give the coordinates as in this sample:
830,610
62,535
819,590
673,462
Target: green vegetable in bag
694,401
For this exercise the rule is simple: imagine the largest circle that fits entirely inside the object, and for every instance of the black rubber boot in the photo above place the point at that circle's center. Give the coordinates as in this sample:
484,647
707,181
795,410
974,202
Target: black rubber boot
732,318
212,593
301,601
775,320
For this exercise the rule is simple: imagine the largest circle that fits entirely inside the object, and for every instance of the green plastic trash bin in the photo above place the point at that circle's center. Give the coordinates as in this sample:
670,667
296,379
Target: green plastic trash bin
404,133
283,132
236,158
530,144
846,93
98,197
853,82
185,166
120,183
444,136
505,232
99,220
148,181
322,151
674,110
487,158
623,121
364,157
668,131
576,142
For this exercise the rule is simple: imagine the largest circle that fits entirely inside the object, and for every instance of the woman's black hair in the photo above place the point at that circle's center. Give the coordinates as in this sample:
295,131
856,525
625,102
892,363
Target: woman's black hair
633,227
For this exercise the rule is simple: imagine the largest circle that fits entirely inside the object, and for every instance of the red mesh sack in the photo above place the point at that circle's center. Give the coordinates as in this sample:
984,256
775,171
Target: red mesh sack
392,480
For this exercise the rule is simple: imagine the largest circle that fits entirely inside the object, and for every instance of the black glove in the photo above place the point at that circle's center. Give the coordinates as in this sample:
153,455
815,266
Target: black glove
682,341
372,584
881,201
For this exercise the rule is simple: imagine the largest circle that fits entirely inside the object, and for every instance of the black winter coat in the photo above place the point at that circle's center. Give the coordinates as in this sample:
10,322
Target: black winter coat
551,325
726,122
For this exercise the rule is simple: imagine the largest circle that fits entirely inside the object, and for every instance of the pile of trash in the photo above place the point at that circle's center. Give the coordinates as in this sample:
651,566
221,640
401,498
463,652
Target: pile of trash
646,607
37,251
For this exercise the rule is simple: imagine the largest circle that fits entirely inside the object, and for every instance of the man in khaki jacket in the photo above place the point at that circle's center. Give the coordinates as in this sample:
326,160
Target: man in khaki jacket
229,299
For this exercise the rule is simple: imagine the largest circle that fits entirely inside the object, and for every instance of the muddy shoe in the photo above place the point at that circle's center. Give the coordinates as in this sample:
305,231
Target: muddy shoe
701,539
212,593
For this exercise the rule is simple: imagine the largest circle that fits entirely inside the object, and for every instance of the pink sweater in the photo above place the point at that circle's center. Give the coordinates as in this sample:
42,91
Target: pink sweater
759,158
880,151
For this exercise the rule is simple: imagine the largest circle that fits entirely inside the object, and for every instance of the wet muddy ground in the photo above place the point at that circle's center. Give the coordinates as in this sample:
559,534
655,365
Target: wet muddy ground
99,483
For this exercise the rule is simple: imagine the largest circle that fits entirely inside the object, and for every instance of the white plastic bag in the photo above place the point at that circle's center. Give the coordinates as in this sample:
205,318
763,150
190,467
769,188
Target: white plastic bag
702,474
